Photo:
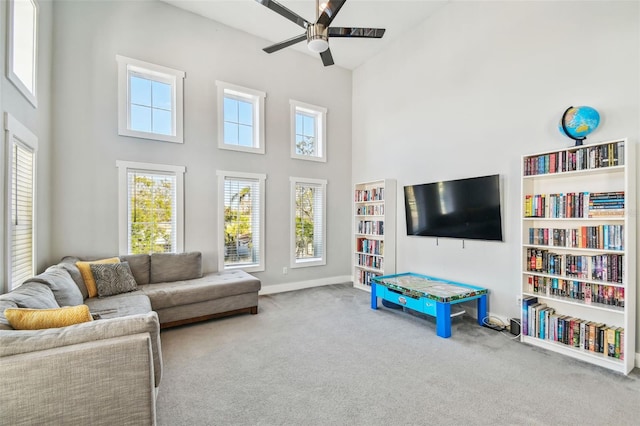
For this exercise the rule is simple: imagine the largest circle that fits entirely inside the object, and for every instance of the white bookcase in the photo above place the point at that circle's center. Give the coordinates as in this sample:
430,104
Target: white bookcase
374,242
578,283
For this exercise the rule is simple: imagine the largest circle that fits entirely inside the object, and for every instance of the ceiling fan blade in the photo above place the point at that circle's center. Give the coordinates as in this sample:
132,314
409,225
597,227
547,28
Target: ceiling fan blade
283,11
286,43
330,12
356,32
327,58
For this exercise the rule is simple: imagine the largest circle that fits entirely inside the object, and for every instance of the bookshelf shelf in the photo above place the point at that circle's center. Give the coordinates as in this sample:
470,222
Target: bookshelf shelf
374,230
578,230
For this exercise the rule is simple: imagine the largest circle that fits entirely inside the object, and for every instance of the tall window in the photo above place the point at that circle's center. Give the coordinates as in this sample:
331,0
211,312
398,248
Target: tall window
151,208
240,118
308,131
241,213
150,101
21,161
22,47
308,212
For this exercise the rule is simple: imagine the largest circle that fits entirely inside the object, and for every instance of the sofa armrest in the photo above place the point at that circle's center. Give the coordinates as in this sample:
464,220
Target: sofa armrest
106,382
14,342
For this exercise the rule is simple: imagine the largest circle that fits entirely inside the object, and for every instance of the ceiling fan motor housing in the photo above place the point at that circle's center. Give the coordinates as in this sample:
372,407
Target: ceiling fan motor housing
317,38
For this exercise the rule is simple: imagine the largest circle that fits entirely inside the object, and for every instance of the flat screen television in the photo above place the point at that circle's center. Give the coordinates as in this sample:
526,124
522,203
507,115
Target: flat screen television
463,208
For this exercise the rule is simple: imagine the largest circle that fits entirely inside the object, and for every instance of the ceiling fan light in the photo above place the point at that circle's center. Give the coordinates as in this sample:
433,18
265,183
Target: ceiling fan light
318,45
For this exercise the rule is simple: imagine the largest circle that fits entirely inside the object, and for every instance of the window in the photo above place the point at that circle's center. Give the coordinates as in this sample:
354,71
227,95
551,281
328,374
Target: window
21,167
308,130
241,215
308,211
150,101
240,118
151,208
22,47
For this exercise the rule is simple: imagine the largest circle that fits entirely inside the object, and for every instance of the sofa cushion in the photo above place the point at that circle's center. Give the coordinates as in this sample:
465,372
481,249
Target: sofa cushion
38,319
68,263
120,305
87,276
61,284
32,295
112,279
140,265
175,266
4,322
210,286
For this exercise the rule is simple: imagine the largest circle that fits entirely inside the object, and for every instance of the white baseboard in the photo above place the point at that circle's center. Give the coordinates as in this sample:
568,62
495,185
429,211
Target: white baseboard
299,285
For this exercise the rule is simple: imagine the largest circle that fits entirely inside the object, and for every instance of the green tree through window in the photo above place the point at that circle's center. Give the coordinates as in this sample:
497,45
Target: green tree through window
151,213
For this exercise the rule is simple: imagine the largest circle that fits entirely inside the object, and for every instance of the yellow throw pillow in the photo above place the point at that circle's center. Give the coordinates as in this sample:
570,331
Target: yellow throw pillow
87,276
37,319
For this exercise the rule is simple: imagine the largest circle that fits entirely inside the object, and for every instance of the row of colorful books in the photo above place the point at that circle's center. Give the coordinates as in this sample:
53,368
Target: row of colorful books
366,260
589,157
574,204
371,227
373,194
372,210
589,293
603,237
364,277
542,321
603,267
364,245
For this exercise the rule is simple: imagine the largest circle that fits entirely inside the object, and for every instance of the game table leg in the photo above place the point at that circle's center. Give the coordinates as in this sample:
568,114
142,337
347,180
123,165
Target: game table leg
443,319
482,309
374,298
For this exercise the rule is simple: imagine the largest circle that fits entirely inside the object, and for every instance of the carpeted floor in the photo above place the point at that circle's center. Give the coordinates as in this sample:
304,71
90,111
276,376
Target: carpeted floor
322,356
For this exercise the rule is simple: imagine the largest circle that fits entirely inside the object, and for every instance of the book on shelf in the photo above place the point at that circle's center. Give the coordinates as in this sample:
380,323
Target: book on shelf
584,158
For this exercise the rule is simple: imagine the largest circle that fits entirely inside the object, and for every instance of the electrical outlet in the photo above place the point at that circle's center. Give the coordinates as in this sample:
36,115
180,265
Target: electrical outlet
285,270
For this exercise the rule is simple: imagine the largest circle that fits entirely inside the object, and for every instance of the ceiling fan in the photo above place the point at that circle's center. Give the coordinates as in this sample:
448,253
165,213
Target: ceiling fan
318,33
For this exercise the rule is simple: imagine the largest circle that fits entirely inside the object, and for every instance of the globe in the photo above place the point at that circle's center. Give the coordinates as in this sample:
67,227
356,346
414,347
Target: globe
579,122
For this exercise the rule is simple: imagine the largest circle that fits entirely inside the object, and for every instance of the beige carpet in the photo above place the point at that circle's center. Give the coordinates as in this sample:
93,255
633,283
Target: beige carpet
321,356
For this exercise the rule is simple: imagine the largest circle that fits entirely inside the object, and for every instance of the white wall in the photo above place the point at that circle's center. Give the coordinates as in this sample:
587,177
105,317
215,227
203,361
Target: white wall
471,90
87,37
38,121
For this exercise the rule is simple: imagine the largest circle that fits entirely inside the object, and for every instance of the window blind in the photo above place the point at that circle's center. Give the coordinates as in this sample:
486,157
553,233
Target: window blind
22,200
309,213
242,221
151,212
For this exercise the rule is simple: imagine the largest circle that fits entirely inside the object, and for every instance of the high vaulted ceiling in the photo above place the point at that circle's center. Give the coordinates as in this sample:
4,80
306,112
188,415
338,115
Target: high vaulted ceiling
396,16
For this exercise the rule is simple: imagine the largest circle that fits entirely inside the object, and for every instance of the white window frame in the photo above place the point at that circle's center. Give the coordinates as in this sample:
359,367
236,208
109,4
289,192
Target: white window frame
320,115
124,167
318,260
261,178
18,82
16,132
256,97
127,66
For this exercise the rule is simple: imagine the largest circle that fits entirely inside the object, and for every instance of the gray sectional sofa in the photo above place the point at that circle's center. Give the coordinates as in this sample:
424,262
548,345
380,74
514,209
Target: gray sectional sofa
107,371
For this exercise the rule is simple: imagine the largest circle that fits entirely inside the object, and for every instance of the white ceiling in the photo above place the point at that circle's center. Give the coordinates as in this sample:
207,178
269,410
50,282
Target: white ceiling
396,16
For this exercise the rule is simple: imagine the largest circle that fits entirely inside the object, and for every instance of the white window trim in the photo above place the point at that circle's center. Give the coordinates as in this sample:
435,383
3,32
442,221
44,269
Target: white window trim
222,174
160,73
257,99
11,75
16,130
321,130
123,200
317,261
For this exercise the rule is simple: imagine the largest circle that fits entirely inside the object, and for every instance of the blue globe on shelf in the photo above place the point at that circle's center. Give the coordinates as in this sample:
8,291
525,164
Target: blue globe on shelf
578,122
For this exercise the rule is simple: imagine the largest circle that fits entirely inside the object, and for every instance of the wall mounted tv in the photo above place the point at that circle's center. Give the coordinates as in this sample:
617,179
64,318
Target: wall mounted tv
463,208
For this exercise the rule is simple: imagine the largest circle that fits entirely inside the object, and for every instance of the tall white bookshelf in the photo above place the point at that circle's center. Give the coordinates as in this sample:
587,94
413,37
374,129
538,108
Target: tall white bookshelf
374,241
578,283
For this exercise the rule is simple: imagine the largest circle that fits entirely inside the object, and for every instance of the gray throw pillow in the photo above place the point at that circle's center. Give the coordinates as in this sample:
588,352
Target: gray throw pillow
113,278
61,284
